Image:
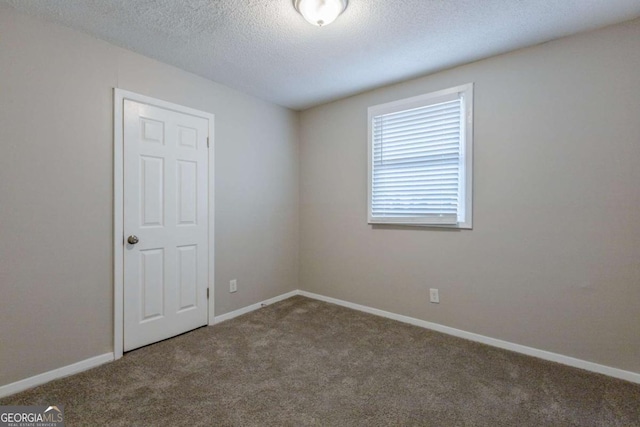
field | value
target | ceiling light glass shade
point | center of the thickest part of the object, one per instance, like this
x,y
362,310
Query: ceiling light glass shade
x,y
320,12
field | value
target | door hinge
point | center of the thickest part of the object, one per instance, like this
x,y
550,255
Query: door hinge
x,y
207,142
207,293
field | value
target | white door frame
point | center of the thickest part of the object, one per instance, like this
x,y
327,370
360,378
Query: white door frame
x,y
119,96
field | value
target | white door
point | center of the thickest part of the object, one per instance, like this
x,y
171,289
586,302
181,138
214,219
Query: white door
x,y
165,223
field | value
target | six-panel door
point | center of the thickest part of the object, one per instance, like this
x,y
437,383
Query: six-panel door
x,y
165,207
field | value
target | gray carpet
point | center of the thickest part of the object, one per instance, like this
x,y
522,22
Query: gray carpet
x,y
305,362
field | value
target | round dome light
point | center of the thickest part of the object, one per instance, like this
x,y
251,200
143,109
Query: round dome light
x,y
320,12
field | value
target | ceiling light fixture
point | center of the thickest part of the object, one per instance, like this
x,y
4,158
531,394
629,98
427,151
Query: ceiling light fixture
x,y
320,12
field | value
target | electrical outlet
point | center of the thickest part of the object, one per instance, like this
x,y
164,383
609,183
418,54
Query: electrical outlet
x,y
433,296
233,285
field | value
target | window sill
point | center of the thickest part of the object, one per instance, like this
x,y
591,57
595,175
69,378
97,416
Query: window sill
x,y
395,223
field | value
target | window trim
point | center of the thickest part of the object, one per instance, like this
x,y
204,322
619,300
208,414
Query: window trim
x,y
465,91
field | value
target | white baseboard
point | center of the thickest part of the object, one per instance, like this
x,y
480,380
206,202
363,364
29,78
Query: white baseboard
x,y
253,307
529,351
55,374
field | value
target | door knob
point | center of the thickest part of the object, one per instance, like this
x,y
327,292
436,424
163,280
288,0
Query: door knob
x,y
133,239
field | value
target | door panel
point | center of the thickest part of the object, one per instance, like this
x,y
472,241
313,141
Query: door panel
x,y
187,276
187,192
152,188
151,284
165,206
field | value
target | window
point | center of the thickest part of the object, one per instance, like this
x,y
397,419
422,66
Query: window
x,y
420,160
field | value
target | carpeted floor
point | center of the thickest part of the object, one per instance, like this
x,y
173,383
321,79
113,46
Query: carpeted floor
x,y
304,362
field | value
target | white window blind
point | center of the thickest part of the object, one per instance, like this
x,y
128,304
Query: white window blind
x,y
418,164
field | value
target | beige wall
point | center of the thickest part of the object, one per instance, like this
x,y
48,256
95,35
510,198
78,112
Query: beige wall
x,y
553,261
56,192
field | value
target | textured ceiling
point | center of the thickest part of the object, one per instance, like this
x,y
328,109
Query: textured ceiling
x,y
264,48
